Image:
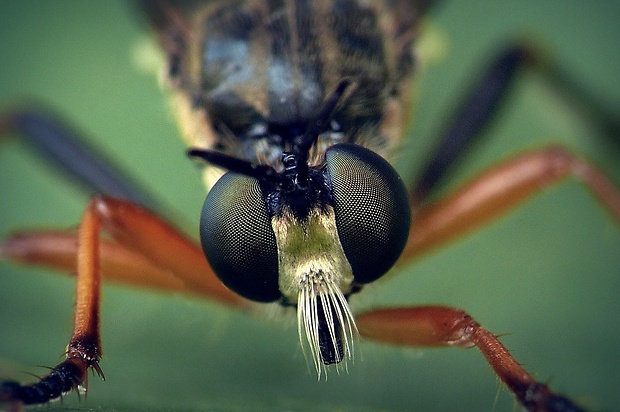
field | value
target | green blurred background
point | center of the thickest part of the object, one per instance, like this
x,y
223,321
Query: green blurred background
x,y
547,276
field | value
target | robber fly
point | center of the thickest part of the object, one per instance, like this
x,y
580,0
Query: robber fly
x,y
309,210
295,107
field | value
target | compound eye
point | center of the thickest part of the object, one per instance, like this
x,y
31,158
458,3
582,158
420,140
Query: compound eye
x,y
371,208
238,240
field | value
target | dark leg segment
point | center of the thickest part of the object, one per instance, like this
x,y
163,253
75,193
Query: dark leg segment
x,y
444,326
64,148
65,377
472,116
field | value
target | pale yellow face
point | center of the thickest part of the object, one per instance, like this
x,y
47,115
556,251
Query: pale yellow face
x,y
313,267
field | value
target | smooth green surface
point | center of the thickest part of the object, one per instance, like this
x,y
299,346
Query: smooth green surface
x,y
546,276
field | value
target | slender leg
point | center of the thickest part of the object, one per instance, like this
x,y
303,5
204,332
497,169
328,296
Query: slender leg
x,y
84,348
57,250
499,189
444,326
136,231
474,113
144,251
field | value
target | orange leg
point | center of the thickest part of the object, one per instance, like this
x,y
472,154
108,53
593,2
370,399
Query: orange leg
x,y
144,251
162,252
497,190
444,326
57,250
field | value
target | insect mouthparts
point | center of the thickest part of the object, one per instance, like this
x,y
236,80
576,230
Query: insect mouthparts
x,y
325,322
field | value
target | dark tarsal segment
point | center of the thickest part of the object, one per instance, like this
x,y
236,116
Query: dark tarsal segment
x,y
63,378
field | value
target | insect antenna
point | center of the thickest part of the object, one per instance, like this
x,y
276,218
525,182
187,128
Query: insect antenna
x,y
298,158
262,172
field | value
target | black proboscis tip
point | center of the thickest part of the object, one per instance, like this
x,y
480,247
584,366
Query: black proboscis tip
x,y
331,351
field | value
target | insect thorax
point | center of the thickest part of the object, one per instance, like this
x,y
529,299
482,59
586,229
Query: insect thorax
x,y
253,74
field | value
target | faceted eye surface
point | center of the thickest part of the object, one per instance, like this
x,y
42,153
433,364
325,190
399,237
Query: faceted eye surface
x,y
371,208
238,240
